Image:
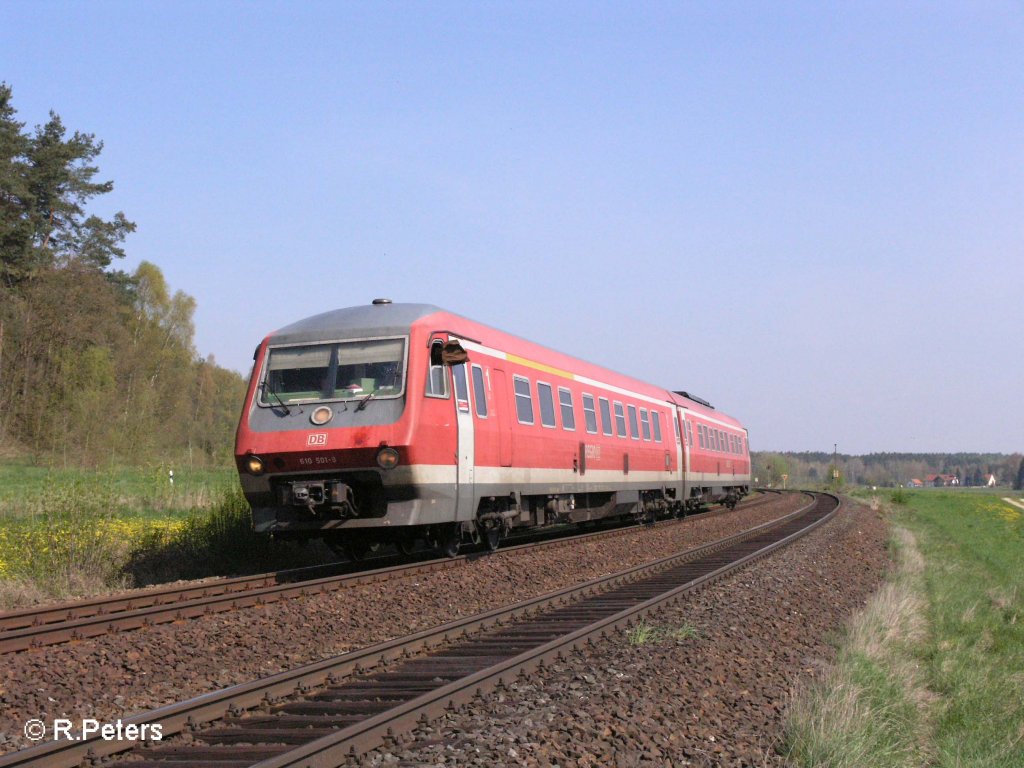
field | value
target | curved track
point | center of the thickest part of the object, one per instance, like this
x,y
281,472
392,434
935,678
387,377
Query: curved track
x,y
39,627
324,713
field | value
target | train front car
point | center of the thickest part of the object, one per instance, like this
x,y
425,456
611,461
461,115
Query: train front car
x,y
332,445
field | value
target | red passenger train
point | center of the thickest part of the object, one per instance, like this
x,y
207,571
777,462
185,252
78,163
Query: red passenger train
x,y
391,423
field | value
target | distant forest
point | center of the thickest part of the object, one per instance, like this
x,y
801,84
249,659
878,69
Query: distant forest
x,y
887,469
97,366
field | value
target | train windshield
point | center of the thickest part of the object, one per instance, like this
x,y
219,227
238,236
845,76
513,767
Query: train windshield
x,y
335,371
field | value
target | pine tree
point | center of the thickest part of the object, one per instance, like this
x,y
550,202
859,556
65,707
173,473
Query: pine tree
x,y
46,181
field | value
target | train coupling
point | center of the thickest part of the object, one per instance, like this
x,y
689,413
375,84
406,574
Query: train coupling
x,y
321,496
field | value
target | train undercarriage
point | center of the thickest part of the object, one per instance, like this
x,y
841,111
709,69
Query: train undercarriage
x,y
349,513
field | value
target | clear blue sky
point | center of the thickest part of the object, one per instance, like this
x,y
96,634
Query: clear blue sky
x,y
810,214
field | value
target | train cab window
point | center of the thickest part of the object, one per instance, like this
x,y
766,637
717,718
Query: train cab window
x,y
634,428
524,401
479,392
589,414
565,403
620,420
656,425
461,387
547,404
645,424
437,378
606,416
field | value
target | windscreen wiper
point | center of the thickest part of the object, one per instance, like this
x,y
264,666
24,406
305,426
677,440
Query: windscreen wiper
x,y
364,401
277,397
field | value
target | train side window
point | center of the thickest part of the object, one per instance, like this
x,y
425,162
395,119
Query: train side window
x,y
675,423
437,379
524,402
645,424
547,404
461,387
479,392
634,428
589,414
656,425
606,415
689,434
620,419
701,435
714,439
565,403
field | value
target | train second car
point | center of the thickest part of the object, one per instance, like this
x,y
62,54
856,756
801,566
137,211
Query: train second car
x,y
392,423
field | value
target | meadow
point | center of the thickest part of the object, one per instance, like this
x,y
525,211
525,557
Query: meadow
x,y
932,671
69,532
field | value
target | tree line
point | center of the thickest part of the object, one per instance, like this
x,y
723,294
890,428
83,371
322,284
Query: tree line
x,y
97,365
887,469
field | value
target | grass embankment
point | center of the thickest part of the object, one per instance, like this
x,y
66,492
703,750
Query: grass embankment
x,y
932,671
68,533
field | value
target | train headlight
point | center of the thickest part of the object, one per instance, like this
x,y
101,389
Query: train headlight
x,y
321,415
255,465
387,458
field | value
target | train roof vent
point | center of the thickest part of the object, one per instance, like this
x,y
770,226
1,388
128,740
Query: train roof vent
x,y
695,399
378,302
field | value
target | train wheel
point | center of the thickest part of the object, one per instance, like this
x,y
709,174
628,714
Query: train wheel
x,y
492,536
364,548
405,543
339,546
447,539
357,550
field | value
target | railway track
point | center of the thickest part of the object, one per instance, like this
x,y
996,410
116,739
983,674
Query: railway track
x,y
326,713
39,627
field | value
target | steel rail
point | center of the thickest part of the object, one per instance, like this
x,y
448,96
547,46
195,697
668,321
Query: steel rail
x,y
231,702
36,628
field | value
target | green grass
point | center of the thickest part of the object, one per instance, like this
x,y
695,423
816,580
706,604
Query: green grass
x,y
66,533
643,633
29,490
932,673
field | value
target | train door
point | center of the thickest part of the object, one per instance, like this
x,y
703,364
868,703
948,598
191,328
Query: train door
x,y
682,452
465,451
501,405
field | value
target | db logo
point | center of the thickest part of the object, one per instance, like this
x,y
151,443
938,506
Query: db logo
x,y
316,438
